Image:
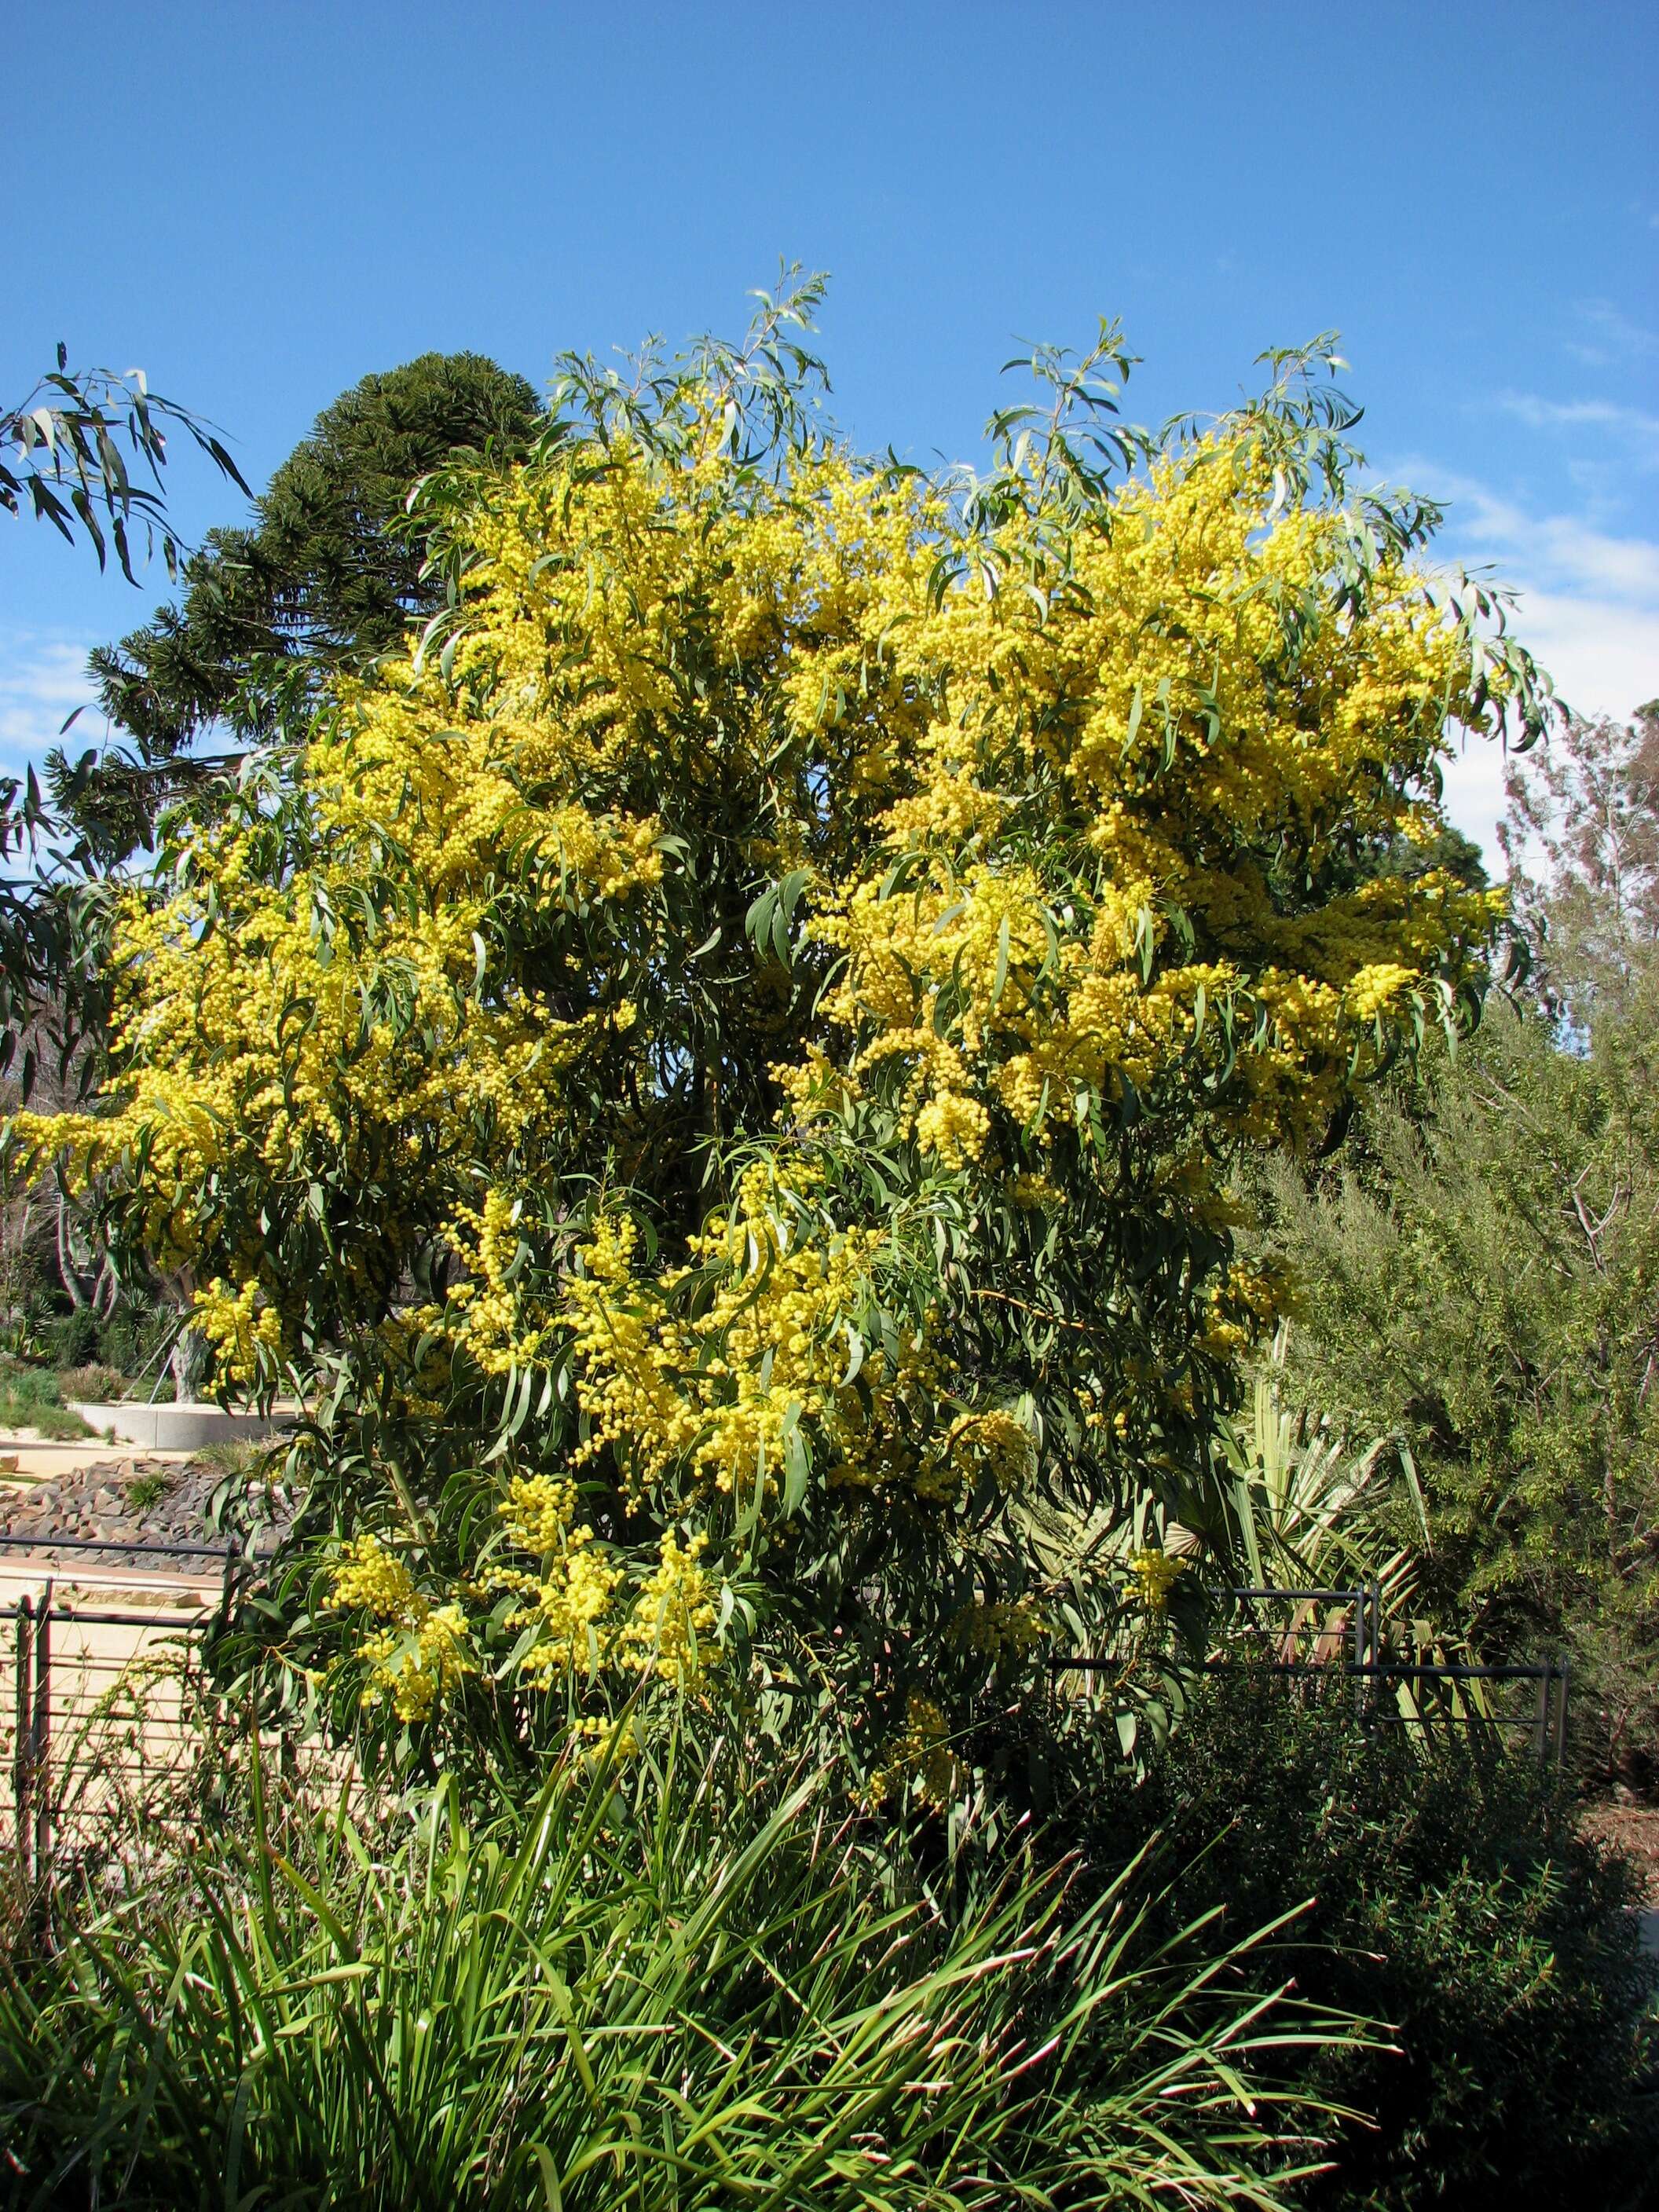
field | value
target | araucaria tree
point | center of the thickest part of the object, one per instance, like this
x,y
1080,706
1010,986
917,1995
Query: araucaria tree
x,y
716,1071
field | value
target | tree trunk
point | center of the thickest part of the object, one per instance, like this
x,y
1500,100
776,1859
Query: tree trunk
x,y
189,1362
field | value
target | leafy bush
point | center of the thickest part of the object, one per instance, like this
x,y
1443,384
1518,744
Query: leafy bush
x,y
701,1989
1453,1900
1475,1268
73,1339
126,1342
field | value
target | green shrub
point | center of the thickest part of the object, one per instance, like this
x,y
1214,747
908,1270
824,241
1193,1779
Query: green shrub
x,y
73,1339
1454,1900
30,1399
92,1384
705,1987
129,1341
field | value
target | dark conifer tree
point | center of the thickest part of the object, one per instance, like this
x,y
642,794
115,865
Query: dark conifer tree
x,y
326,575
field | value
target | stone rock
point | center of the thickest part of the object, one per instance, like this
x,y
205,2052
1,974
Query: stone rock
x,y
94,1504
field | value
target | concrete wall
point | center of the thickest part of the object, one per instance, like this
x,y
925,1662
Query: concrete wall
x,y
180,1427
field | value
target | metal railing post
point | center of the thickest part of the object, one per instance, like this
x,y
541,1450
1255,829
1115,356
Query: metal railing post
x,y
1541,1730
23,1743
41,1745
1563,1676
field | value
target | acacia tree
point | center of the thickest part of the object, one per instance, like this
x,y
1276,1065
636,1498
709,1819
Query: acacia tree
x,y
717,1072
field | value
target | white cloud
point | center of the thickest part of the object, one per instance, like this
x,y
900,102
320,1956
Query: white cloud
x,y
1637,432
1586,607
42,681
1604,659
1557,552
1474,797
1613,337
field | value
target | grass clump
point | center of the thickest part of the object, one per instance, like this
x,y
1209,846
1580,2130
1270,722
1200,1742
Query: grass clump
x,y
94,1384
689,1985
236,1456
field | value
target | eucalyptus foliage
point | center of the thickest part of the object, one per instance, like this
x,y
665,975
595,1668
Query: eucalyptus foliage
x,y
84,451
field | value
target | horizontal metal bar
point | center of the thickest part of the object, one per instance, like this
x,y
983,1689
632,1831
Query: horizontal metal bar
x,y
1456,1720
1391,1670
1335,1596
142,1546
1397,1668
115,1619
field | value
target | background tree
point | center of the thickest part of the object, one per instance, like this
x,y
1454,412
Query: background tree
x,y
1480,1273
328,575
1582,838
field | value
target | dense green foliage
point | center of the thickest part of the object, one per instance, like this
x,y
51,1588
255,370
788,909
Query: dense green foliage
x,y
1478,1271
33,1398
1453,1900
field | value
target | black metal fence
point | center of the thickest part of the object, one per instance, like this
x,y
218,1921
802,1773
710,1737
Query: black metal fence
x,y
106,1709
1326,1639
110,1713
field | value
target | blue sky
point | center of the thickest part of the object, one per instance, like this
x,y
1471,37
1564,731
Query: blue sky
x,y
260,204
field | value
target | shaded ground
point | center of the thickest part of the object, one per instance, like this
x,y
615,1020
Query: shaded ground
x,y
1633,1830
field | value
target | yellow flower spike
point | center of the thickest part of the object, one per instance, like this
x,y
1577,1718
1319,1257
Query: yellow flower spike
x,y
369,1578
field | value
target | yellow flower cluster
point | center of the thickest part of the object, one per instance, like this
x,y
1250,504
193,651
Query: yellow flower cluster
x,y
1154,692
1153,1575
370,1579
1008,1629
416,1665
997,1441
422,1651
668,1631
721,1395
539,1514
918,1757
612,1739
714,1403
238,1323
